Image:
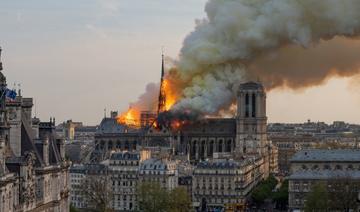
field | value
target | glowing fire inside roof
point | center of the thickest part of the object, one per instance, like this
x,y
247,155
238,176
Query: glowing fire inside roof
x,y
130,117
168,97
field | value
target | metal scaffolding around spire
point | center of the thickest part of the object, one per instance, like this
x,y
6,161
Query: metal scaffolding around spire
x,y
162,94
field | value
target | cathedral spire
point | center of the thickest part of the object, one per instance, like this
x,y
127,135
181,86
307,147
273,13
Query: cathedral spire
x,y
162,66
162,94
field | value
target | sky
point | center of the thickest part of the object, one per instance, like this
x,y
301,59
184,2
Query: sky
x,y
78,57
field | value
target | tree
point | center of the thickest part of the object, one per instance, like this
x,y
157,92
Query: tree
x,y
264,190
179,200
97,192
152,198
343,194
281,197
72,208
317,200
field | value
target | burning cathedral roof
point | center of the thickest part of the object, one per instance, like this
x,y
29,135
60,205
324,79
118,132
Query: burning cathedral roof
x,y
111,126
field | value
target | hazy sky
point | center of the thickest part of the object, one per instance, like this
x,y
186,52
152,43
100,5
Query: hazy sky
x,y
77,57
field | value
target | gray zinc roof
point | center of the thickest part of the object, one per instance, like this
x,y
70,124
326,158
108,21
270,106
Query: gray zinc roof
x,y
154,164
225,164
77,168
125,156
327,155
325,175
110,126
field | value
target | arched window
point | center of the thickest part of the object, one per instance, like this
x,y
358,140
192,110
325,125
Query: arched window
x,y
193,148
118,144
127,146
221,145
211,148
338,167
327,167
253,112
228,146
202,149
247,105
133,145
110,145
102,144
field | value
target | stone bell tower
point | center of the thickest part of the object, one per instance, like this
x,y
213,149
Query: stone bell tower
x,y
251,135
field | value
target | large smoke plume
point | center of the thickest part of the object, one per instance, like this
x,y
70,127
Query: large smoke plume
x,y
282,43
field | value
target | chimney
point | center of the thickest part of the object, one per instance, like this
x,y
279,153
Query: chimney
x,y
61,147
45,151
42,146
2,157
114,114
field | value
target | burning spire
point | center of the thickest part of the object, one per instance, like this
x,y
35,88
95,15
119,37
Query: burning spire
x,y
162,93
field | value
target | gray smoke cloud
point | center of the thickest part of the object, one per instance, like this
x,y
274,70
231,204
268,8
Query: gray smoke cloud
x,y
148,100
292,43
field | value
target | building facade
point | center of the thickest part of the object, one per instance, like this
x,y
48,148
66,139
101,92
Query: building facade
x,y
221,184
121,172
77,175
162,171
330,167
202,142
33,169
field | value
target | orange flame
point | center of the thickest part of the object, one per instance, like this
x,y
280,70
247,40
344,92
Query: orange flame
x,y
130,117
171,97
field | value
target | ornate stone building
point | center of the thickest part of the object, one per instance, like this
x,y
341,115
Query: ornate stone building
x,y
162,171
338,170
112,136
77,175
123,170
33,170
245,134
288,145
221,184
250,156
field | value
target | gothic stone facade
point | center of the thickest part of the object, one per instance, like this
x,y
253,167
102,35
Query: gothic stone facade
x,y
200,140
33,170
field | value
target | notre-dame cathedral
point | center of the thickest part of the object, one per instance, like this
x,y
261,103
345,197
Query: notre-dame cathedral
x,y
243,135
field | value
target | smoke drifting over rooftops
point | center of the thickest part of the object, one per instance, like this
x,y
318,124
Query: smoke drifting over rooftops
x,y
283,43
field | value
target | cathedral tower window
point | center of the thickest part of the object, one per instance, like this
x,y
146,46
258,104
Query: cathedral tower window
x,y
253,112
247,105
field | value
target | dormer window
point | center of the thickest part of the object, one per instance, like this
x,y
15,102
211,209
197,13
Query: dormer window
x,y
338,167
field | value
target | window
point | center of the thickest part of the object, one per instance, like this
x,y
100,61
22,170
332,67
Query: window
x,y
253,105
247,105
338,167
315,167
296,186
